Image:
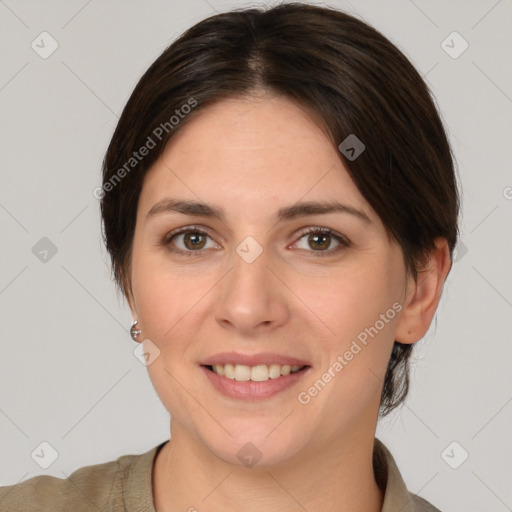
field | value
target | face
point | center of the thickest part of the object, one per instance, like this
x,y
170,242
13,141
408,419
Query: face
x,y
302,301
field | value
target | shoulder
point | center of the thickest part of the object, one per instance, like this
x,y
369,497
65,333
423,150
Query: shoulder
x,y
88,488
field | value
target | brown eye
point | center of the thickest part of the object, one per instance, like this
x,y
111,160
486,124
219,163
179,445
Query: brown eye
x,y
188,241
194,240
319,240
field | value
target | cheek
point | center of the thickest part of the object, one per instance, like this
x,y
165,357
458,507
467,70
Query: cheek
x,y
165,296
166,303
359,312
168,306
352,301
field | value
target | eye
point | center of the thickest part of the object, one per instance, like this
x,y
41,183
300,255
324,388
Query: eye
x,y
191,239
320,239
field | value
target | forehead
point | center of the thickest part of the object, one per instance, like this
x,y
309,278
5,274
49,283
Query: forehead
x,y
243,131
251,153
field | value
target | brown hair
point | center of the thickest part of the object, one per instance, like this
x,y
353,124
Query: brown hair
x,y
338,68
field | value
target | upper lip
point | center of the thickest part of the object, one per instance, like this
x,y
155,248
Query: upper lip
x,y
253,359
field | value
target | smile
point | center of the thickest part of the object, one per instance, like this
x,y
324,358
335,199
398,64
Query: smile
x,y
258,373
252,383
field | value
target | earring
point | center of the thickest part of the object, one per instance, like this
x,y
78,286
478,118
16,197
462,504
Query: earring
x,y
134,332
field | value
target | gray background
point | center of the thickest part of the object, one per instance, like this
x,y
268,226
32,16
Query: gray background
x,y
68,375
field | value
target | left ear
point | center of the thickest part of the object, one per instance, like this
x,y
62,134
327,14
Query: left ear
x,y
423,295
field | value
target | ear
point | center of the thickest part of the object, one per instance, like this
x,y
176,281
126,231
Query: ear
x,y
423,295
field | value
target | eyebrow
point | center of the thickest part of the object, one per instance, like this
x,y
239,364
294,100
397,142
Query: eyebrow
x,y
303,209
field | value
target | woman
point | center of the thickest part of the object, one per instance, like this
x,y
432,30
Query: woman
x,y
280,206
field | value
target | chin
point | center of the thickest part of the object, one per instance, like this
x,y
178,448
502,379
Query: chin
x,y
260,449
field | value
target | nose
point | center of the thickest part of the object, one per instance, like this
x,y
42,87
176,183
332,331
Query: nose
x,y
252,297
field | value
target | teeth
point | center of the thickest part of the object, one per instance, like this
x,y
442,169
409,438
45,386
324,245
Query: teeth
x,y
242,372
229,371
258,373
274,371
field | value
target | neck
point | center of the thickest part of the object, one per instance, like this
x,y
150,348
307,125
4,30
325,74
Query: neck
x,y
339,477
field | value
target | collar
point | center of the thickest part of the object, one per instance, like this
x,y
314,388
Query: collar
x,y
396,496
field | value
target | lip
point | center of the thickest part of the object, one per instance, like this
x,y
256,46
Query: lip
x,y
249,390
253,359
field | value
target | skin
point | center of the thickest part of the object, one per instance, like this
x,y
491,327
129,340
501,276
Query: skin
x,y
251,157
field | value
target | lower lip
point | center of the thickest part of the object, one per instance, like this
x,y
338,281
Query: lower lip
x,y
250,390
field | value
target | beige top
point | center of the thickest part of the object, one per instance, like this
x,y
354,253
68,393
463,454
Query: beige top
x,y
125,485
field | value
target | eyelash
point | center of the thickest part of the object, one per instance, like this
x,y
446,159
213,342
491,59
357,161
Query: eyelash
x,y
343,242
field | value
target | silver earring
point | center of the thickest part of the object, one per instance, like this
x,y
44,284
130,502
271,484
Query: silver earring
x,y
134,332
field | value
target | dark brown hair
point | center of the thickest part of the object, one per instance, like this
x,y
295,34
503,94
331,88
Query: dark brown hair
x,y
345,74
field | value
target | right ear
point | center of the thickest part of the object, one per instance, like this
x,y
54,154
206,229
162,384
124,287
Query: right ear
x,y
423,295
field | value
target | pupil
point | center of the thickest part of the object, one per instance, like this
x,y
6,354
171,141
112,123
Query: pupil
x,y
194,239
316,239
